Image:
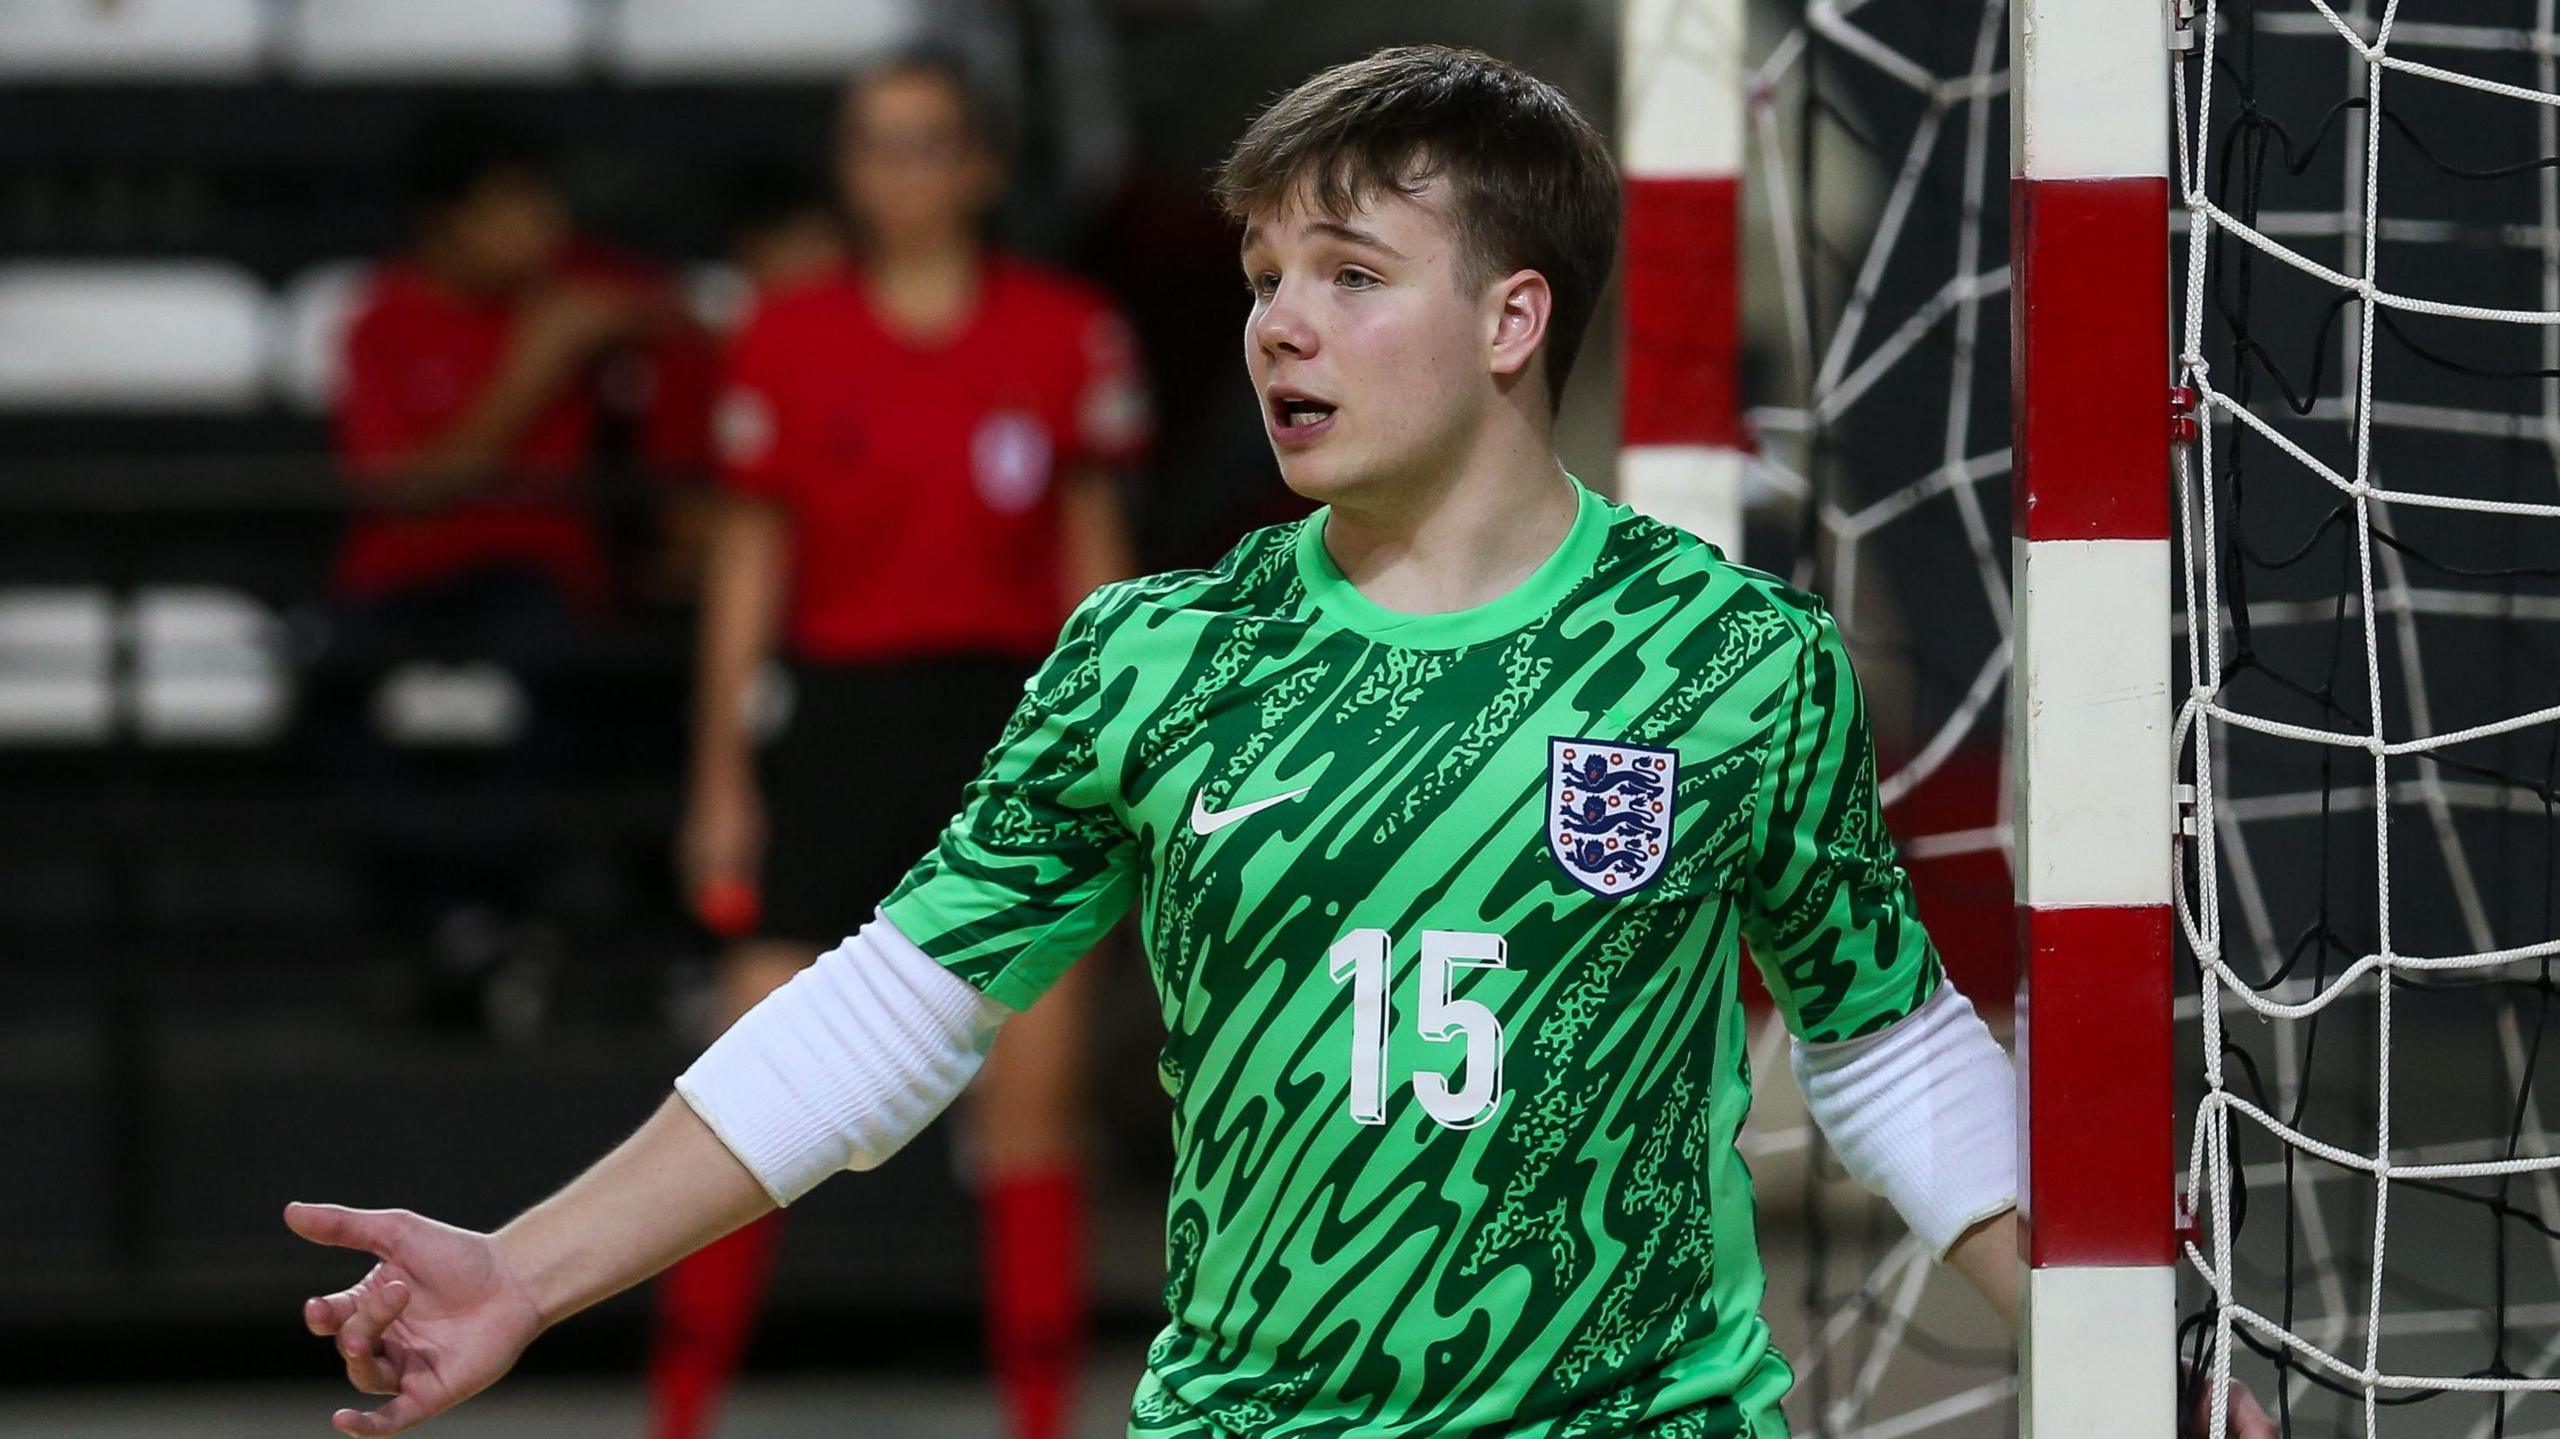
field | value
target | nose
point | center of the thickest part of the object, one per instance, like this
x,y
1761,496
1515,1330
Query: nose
x,y
1281,327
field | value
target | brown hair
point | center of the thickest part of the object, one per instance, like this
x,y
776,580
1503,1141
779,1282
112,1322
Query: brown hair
x,y
1532,185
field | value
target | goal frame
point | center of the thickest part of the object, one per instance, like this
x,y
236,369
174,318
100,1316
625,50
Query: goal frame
x,y
2093,806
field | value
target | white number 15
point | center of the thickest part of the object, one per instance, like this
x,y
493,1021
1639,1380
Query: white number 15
x,y
1361,955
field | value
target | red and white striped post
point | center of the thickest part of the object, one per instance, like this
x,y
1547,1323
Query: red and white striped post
x,y
2089,226
1681,122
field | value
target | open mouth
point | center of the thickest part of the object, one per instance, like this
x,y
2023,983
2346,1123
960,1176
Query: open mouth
x,y
1297,419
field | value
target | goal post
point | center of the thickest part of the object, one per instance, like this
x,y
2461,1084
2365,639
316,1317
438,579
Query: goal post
x,y
2091,712
1681,88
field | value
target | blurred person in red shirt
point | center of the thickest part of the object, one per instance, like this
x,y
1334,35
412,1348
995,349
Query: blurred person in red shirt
x,y
922,451
470,410
472,405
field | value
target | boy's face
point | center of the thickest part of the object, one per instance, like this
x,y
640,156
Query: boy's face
x,y
1370,346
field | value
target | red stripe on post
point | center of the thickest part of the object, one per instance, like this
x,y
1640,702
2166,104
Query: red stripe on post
x,y
1682,268
2089,313
2095,1052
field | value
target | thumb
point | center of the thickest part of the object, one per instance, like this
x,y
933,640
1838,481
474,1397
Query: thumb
x,y
374,1230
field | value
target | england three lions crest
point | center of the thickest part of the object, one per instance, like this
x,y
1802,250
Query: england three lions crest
x,y
1609,812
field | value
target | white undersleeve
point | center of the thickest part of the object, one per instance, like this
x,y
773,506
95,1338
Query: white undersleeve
x,y
839,1068
1924,1113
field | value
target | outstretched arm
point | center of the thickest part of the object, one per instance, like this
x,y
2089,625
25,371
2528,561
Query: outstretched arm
x,y
835,1070
669,1189
445,1312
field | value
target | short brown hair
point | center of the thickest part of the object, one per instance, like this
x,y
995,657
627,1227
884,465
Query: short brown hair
x,y
1532,185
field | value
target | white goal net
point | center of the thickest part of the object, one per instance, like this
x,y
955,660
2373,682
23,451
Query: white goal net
x,y
2370,322
2368,312
1875,305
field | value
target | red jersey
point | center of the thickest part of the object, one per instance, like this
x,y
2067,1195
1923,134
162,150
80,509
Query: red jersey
x,y
920,476
418,354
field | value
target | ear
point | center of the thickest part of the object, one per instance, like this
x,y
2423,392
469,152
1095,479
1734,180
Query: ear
x,y
1516,309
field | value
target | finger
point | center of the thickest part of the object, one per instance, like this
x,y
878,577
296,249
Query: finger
x,y
357,1339
391,1418
361,1339
2245,1420
328,1313
376,1230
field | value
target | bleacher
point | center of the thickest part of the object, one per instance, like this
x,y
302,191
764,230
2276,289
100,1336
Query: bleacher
x,y
202,1014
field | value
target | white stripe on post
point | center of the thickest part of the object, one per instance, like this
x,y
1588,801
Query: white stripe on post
x,y
2089,138
2080,1347
1682,119
2090,684
2091,92
1697,488
1680,73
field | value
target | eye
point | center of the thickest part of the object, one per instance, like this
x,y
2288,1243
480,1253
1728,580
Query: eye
x,y
1261,284
1357,280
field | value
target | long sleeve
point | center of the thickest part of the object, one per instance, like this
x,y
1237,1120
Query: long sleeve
x,y
1828,910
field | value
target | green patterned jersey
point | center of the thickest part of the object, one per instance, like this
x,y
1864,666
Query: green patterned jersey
x,y
1445,915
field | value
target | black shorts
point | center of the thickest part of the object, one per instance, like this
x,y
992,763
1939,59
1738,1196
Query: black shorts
x,y
860,784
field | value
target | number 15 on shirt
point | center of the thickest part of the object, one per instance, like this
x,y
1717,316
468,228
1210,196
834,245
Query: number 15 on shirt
x,y
1361,957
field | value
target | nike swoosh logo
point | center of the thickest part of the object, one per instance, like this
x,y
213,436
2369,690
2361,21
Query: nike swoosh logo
x,y
1205,823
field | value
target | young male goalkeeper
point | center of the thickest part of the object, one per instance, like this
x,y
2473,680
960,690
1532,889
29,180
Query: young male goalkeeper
x,y
1446,813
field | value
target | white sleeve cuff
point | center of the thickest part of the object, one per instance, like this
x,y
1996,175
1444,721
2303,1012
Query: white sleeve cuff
x,y
843,1065
1924,1113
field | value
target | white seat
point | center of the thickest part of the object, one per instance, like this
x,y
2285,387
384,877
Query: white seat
x,y
84,39
750,39
441,39
57,665
178,335
308,360
475,704
209,667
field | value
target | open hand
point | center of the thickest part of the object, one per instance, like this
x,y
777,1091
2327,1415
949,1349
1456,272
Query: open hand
x,y
436,1320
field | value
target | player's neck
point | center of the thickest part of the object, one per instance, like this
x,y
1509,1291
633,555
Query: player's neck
x,y
1468,538
927,292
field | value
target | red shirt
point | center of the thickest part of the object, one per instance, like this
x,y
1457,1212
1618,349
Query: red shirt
x,y
418,353
920,476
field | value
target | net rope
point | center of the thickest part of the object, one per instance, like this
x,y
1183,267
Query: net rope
x,y
1876,166
2458,735
2369,755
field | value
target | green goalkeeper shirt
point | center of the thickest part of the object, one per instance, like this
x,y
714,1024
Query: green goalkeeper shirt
x,y
1444,915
